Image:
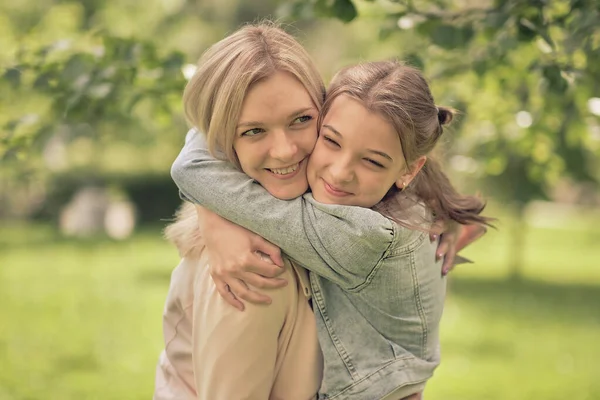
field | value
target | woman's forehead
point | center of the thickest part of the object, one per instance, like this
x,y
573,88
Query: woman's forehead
x,y
281,94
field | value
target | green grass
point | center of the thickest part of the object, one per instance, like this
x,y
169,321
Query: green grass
x,y
81,319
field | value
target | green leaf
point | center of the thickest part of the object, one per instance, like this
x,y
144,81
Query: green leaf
x,y
480,67
13,76
556,82
295,11
526,30
427,27
344,10
414,60
496,20
451,37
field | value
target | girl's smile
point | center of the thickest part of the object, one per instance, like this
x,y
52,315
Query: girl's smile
x,y
358,156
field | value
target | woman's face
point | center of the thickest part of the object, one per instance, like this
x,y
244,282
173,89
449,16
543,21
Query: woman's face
x,y
276,133
358,156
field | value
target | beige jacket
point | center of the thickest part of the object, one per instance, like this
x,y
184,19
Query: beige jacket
x,y
215,352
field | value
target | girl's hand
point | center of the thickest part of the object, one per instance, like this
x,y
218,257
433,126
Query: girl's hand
x,y
448,234
416,396
453,238
469,234
238,259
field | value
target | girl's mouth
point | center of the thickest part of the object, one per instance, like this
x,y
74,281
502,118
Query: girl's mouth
x,y
333,191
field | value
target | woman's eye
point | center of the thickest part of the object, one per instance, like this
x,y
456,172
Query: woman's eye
x,y
375,163
252,132
302,119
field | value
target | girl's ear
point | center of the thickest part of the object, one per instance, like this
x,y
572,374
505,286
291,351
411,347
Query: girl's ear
x,y
414,169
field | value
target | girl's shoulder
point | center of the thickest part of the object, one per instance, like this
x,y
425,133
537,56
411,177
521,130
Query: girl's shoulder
x,y
412,227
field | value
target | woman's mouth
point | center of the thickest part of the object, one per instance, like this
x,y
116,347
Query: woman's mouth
x,y
286,172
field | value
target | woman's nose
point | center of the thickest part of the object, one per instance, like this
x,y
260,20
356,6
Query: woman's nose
x,y
283,147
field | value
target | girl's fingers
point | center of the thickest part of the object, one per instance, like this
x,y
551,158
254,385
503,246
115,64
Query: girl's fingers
x,y
262,265
269,249
242,291
448,260
226,293
261,282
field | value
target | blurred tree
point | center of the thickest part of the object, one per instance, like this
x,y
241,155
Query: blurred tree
x,y
523,71
90,91
92,88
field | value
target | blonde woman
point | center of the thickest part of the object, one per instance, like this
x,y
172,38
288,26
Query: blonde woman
x,y
213,351
377,289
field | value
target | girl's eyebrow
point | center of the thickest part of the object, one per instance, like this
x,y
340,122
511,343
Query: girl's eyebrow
x,y
254,123
381,153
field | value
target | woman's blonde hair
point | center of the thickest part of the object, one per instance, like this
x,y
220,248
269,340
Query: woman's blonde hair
x,y
214,96
402,96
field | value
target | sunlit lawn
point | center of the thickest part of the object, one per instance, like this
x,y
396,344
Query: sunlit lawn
x,y
82,319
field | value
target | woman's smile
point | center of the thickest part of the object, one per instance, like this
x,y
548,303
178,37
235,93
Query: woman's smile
x,y
287,172
277,131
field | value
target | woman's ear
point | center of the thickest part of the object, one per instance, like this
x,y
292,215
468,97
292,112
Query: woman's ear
x,y
414,169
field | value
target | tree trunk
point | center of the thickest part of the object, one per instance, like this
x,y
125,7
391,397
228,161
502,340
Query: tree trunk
x,y
517,241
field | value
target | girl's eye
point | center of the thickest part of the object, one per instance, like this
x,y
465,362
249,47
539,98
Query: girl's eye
x,y
330,140
375,163
252,132
302,119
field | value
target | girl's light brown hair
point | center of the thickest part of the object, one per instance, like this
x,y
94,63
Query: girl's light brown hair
x,y
214,96
402,96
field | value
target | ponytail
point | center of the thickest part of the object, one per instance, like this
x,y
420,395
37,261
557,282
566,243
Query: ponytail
x,y
433,187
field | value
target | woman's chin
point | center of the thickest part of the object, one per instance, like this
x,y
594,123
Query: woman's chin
x,y
287,192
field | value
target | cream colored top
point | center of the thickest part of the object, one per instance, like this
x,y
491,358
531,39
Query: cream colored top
x,y
214,351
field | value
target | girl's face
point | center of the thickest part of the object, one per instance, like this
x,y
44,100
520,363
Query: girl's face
x,y
357,158
276,133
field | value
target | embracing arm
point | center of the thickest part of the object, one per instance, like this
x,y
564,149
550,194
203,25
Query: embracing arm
x,y
341,243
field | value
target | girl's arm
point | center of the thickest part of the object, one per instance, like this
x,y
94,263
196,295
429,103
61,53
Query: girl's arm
x,y
239,260
341,243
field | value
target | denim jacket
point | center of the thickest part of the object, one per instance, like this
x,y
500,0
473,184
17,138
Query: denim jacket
x,y
378,292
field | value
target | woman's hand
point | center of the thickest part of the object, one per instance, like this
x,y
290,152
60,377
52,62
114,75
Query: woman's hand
x,y
453,238
238,259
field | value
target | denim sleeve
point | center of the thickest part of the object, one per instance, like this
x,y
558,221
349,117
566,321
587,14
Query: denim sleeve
x,y
341,243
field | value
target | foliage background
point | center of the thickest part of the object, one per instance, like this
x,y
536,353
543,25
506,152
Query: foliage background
x,y
90,97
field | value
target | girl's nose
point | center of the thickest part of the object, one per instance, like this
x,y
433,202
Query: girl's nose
x,y
341,172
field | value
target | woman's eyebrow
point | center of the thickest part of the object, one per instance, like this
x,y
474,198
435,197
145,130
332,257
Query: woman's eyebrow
x,y
254,123
300,111
249,123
